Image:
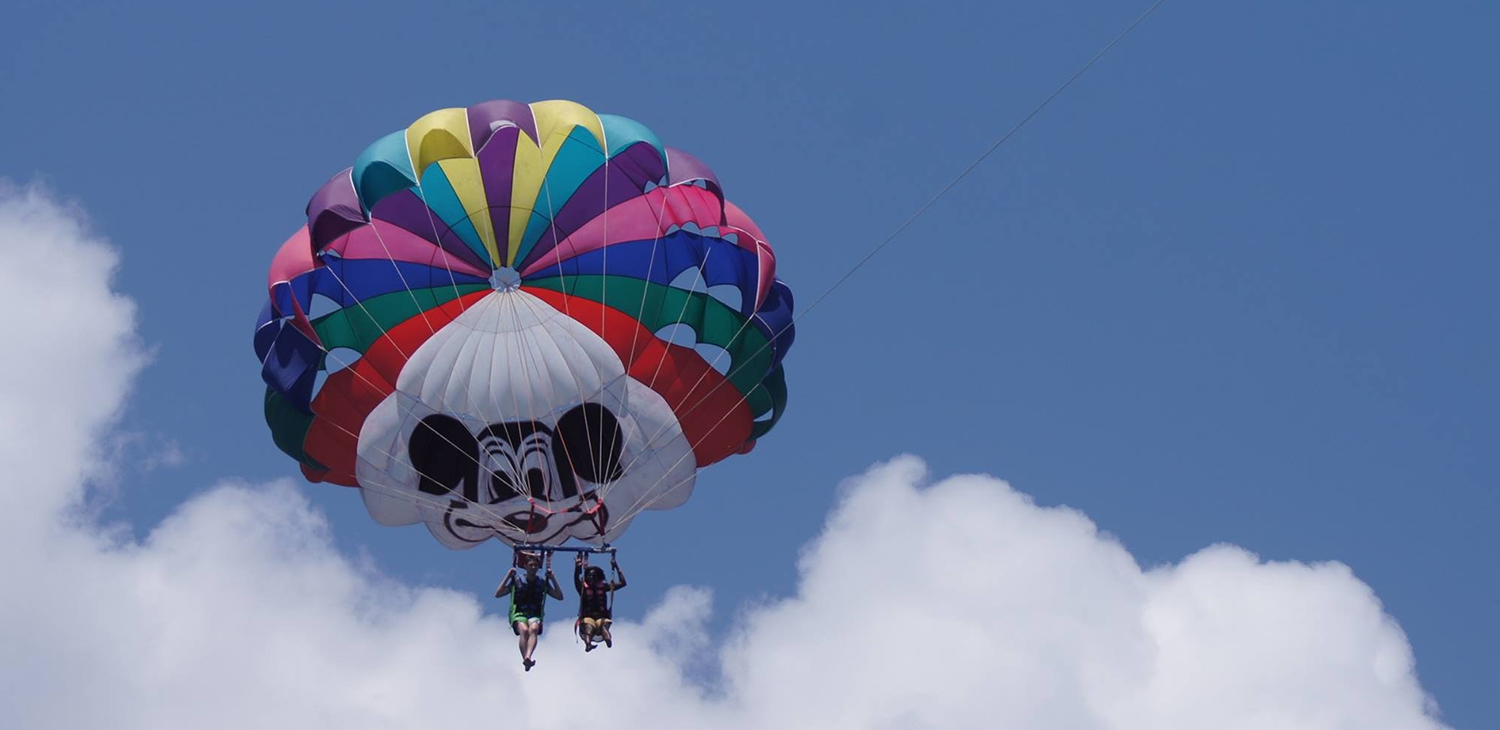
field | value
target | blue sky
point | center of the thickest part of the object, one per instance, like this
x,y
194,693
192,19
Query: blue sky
x,y
1233,286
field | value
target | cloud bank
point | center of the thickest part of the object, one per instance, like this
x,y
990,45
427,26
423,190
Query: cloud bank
x,y
238,612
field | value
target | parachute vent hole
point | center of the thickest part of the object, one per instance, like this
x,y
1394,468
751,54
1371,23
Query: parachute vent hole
x,y
505,279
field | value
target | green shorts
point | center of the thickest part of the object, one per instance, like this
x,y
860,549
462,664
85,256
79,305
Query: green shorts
x,y
521,614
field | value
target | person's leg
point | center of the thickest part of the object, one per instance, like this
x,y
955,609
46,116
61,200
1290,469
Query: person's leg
x,y
530,632
522,629
586,632
609,641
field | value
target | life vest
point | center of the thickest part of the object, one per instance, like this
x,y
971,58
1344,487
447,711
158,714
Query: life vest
x,y
528,595
593,600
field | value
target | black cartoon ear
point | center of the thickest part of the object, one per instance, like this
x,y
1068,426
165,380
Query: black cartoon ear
x,y
591,443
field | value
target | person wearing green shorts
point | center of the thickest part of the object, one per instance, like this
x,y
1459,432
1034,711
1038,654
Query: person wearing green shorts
x,y
528,601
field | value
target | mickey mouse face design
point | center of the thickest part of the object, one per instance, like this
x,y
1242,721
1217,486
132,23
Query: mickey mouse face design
x,y
527,473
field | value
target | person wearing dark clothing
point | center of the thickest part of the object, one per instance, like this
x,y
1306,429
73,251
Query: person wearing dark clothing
x,y
528,600
595,601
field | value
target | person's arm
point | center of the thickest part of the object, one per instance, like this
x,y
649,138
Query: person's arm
x,y
578,574
505,585
619,574
553,588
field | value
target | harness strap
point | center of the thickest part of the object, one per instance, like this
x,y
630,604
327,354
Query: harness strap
x,y
611,600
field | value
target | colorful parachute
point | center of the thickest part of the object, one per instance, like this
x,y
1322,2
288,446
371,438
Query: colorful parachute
x,y
528,322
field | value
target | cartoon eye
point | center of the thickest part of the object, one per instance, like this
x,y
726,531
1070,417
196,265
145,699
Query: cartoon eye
x,y
590,442
444,454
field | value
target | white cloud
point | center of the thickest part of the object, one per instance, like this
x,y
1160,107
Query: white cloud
x,y
69,352
954,605
142,453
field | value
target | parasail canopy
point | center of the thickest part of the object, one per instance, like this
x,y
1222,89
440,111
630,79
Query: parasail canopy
x,y
526,322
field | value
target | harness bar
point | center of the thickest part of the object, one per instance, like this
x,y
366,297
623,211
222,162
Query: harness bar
x,y
563,549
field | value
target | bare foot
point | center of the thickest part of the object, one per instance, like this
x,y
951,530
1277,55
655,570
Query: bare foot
x,y
528,663
588,646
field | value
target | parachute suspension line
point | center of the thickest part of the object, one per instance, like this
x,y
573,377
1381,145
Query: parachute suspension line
x,y
567,309
734,341
982,157
598,458
688,299
517,476
546,189
732,344
404,355
516,479
444,254
603,459
327,353
416,498
437,237
479,458
595,518
404,285
413,498
661,215
364,309
911,219
687,302
526,353
552,228
498,526
537,309
642,503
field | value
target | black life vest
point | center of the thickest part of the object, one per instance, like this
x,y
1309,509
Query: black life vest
x,y
528,594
